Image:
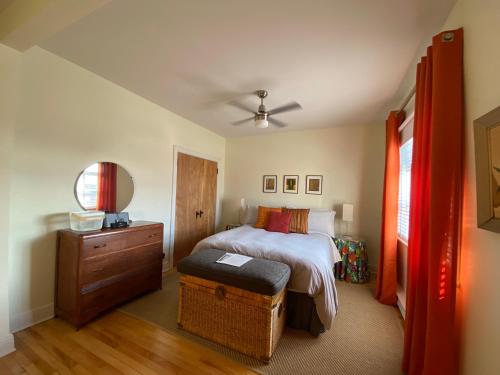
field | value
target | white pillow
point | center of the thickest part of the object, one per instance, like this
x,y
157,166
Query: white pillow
x,y
321,220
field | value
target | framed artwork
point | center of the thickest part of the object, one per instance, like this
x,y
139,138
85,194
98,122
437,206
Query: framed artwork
x,y
314,184
291,184
269,184
487,150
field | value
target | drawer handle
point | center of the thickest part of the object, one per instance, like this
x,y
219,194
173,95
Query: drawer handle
x,y
220,292
153,235
98,270
99,246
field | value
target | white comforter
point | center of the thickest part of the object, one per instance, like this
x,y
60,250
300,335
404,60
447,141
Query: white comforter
x,y
311,258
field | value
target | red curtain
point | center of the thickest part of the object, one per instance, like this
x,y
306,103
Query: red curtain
x,y
435,214
387,264
106,187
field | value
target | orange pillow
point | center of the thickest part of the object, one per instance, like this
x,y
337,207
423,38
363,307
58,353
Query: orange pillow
x,y
263,216
299,220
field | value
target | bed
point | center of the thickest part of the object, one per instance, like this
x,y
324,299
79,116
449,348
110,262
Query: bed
x,y
313,298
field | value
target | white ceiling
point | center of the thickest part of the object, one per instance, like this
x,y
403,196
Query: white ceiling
x,y
342,60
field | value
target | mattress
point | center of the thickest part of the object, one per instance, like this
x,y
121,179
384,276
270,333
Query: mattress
x,y
311,258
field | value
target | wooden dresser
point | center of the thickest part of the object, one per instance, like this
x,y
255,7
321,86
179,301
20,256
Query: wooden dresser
x,y
101,269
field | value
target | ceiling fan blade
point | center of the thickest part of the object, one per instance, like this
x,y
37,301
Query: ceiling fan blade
x,y
240,106
293,106
277,123
240,122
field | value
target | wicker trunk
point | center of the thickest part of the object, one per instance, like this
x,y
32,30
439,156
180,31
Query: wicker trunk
x,y
245,321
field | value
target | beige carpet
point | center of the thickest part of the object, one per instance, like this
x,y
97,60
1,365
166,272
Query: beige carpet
x,y
366,338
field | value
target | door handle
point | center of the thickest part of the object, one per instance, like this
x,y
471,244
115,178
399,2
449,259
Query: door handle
x,y
201,213
198,214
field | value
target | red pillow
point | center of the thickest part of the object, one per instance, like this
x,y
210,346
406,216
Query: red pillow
x,y
278,222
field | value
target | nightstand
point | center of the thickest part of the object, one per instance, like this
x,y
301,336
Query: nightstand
x,y
354,264
232,226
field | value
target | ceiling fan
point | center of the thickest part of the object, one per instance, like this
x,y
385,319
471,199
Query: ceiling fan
x,y
262,117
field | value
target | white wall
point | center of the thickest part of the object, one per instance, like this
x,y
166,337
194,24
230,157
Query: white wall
x,y
9,62
351,160
68,119
479,278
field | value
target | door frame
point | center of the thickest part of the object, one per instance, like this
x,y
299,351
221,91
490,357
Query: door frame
x,y
184,150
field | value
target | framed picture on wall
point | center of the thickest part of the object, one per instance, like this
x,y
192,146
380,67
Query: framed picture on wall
x,y
291,184
269,184
487,150
314,184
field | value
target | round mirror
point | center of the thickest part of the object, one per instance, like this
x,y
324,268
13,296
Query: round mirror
x,y
104,186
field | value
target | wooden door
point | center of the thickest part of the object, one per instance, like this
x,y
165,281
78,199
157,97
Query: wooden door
x,y
195,203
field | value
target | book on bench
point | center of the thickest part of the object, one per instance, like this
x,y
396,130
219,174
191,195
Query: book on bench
x,y
235,260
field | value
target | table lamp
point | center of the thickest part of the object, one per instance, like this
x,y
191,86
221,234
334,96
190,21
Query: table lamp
x,y
243,212
347,215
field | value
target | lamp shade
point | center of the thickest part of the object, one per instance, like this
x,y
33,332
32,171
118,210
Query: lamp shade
x,y
347,212
261,123
243,211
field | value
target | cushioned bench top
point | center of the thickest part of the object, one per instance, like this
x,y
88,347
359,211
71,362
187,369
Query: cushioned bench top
x,y
258,275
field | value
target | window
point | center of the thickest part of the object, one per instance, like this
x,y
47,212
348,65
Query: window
x,y
405,154
86,187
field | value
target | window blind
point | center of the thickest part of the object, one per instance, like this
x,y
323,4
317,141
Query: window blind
x,y
86,188
405,154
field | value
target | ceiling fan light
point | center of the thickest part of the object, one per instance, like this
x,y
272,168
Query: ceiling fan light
x,y
261,123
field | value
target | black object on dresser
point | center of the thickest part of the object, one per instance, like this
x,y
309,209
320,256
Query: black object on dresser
x,y
100,269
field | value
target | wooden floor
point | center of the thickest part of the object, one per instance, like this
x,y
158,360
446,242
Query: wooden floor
x,y
117,343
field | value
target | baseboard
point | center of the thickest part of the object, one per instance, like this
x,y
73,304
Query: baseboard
x,y
401,307
165,265
29,318
7,344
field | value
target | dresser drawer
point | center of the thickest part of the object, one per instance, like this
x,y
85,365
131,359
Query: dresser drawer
x,y
104,266
100,245
101,269
135,283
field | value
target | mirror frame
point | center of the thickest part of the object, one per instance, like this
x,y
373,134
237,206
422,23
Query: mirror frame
x,y
83,170
482,126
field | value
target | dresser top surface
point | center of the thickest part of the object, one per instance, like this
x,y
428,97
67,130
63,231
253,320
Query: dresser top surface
x,y
135,225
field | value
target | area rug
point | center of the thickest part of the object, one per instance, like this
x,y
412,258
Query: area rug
x,y
366,337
